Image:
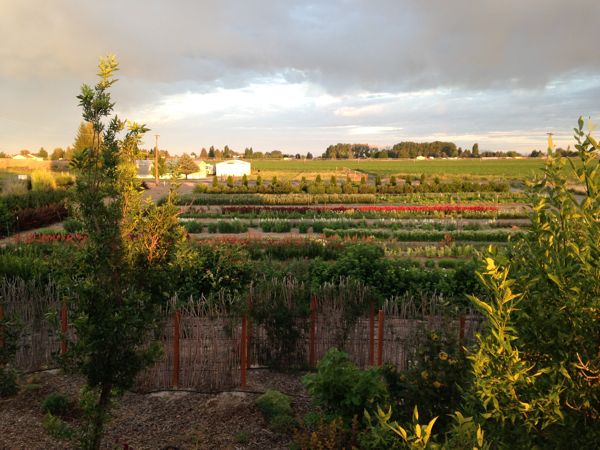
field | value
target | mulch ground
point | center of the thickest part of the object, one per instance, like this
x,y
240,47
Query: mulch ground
x,y
170,419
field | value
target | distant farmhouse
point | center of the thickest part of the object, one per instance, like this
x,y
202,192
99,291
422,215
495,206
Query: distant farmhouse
x,y
145,169
233,168
28,156
204,170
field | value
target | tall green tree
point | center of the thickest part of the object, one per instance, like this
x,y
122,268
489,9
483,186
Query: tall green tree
x,y
187,165
83,139
115,302
57,153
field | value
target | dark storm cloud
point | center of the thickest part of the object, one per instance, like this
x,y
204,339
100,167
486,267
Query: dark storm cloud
x,y
500,51
344,44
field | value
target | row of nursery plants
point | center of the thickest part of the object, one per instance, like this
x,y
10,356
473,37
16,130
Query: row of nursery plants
x,y
337,212
347,186
426,236
31,210
308,199
285,226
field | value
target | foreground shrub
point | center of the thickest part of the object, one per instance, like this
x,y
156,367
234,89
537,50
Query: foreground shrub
x,y
8,381
326,435
342,389
55,404
435,379
273,403
56,428
277,410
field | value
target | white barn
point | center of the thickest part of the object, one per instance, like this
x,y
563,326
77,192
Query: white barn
x,y
234,168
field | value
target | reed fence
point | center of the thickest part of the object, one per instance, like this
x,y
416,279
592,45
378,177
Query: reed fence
x,y
207,348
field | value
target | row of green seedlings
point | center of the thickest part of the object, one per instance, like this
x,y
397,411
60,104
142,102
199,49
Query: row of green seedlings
x,y
434,251
284,226
321,199
208,213
406,185
425,236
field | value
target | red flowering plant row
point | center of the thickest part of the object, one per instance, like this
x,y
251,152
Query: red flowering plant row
x,y
46,238
304,209
420,208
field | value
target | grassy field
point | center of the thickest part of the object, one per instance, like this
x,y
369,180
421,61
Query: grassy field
x,y
500,168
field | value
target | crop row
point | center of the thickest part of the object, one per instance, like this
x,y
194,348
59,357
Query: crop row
x,y
347,186
425,236
309,199
317,226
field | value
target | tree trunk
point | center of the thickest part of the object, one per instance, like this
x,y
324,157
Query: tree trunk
x,y
100,416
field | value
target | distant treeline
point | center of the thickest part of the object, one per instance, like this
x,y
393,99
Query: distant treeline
x,y
436,149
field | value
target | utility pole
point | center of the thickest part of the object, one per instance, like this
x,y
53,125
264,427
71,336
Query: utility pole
x,y
156,159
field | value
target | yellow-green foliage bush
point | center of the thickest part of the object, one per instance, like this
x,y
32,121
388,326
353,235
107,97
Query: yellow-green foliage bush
x,y
42,180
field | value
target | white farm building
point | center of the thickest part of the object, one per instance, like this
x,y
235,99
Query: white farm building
x,y
234,168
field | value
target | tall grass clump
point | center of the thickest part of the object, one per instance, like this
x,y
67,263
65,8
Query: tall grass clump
x,y
42,180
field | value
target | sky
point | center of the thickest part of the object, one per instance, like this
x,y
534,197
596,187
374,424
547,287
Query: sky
x,y
297,76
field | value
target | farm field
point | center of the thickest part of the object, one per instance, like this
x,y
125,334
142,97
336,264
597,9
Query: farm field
x,y
499,168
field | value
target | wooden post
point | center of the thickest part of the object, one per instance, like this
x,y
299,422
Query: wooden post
x,y
313,332
380,339
176,326
244,352
1,326
461,332
249,334
64,327
371,335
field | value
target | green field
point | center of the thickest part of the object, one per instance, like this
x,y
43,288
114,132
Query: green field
x,y
504,168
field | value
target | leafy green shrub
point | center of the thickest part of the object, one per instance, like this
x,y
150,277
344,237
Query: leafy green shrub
x,y
226,226
193,226
56,404
341,388
56,428
434,379
279,307
326,435
8,381
274,403
275,226
448,263
536,368
303,227
72,225
283,424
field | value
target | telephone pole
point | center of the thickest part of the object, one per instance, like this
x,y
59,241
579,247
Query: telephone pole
x,y
156,159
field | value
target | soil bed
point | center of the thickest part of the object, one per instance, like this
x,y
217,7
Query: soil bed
x,y
180,419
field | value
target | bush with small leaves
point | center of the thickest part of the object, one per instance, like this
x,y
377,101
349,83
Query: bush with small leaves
x,y
339,387
56,404
273,403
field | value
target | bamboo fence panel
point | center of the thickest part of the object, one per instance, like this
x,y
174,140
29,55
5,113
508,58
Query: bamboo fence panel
x,y
28,302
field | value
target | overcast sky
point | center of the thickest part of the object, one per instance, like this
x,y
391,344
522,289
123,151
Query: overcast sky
x,y
300,75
